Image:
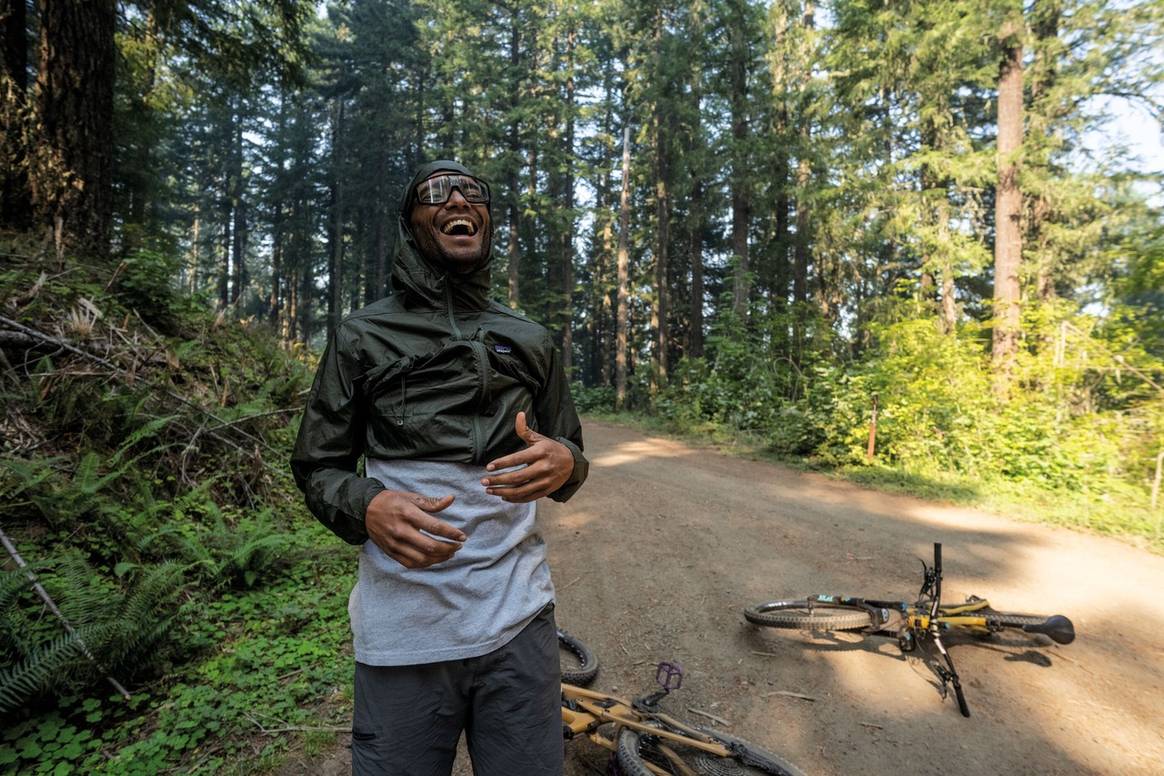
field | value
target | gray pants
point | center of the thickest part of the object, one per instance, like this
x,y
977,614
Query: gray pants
x,y
408,718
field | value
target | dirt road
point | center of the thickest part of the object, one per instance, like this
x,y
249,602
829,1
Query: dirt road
x,y
657,555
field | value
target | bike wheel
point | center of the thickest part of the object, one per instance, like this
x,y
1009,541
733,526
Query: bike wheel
x,y
797,615
578,664
636,749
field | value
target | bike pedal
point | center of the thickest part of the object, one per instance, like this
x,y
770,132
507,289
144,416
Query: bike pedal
x,y
669,676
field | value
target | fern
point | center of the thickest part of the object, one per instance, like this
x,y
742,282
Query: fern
x,y
50,665
121,630
12,582
250,559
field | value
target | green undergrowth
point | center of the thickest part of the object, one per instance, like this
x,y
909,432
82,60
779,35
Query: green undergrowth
x,y
267,667
1123,513
143,480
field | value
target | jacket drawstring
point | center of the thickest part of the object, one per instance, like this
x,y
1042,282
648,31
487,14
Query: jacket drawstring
x,y
403,393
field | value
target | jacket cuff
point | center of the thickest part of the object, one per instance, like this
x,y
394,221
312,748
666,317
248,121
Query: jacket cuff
x,y
348,519
577,477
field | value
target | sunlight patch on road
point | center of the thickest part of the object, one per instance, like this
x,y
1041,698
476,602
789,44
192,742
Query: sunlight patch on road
x,y
576,519
631,452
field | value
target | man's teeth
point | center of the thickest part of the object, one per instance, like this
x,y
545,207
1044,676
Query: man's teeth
x,y
451,225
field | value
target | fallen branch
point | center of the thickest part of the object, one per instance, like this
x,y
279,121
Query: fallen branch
x,y
296,728
790,694
712,717
245,418
16,338
306,728
572,581
871,725
19,327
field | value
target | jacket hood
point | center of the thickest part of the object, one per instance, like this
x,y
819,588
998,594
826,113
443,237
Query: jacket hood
x,y
427,279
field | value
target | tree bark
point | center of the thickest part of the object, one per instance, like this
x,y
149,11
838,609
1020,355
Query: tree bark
x,y
336,229
15,196
622,314
513,142
781,272
1045,26
1008,209
71,177
239,236
567,237
741,195
659,310
695,251
226,210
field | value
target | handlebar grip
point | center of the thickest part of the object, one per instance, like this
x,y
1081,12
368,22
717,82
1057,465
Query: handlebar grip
x,y
937,555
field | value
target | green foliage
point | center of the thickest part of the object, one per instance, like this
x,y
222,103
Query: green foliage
x,y
267,657
599,398
151,504
145,284
1085,420
120,629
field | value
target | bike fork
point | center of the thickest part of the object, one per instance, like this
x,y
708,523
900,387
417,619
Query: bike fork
x,y
949,675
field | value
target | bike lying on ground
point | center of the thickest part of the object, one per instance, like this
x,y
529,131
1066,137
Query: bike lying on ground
x,y
644,739
924,620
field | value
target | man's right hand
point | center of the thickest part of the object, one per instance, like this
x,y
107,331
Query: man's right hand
x,y
394,521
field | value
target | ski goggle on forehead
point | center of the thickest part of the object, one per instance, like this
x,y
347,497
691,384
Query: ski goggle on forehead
x,y
437,189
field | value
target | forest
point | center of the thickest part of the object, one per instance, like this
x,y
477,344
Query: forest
x,y
897,240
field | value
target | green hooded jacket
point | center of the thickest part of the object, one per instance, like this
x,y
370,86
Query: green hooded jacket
x,y
436,372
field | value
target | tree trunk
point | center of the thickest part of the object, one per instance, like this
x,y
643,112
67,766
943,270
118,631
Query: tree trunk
x,y
741,195
800,250
513,142
71,178
622,325
336,230
949,314
226,213
15,197
1045,26
239,241
376,259
659,310
1008,210
567,237
781,273
695,251
195,253
605,314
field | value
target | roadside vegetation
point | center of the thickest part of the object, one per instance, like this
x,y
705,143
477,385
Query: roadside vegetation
x,y
1074,442
143,482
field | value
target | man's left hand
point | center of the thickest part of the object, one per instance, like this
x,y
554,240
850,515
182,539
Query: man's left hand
x,y
547,464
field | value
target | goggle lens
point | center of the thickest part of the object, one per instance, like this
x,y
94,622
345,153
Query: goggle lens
x,y
437,190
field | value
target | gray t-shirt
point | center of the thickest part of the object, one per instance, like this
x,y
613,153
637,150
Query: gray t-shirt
x,y
471,604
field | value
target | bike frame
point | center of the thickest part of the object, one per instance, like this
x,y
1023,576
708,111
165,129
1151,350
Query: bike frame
x,y
583,711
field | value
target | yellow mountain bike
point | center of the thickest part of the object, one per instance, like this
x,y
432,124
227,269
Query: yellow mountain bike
x,y
924,620
645,740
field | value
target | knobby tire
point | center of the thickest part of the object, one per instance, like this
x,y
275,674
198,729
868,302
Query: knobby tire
x,y
795,615
635,748
587,668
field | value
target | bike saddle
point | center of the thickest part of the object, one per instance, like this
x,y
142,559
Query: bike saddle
x,y
1057,627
